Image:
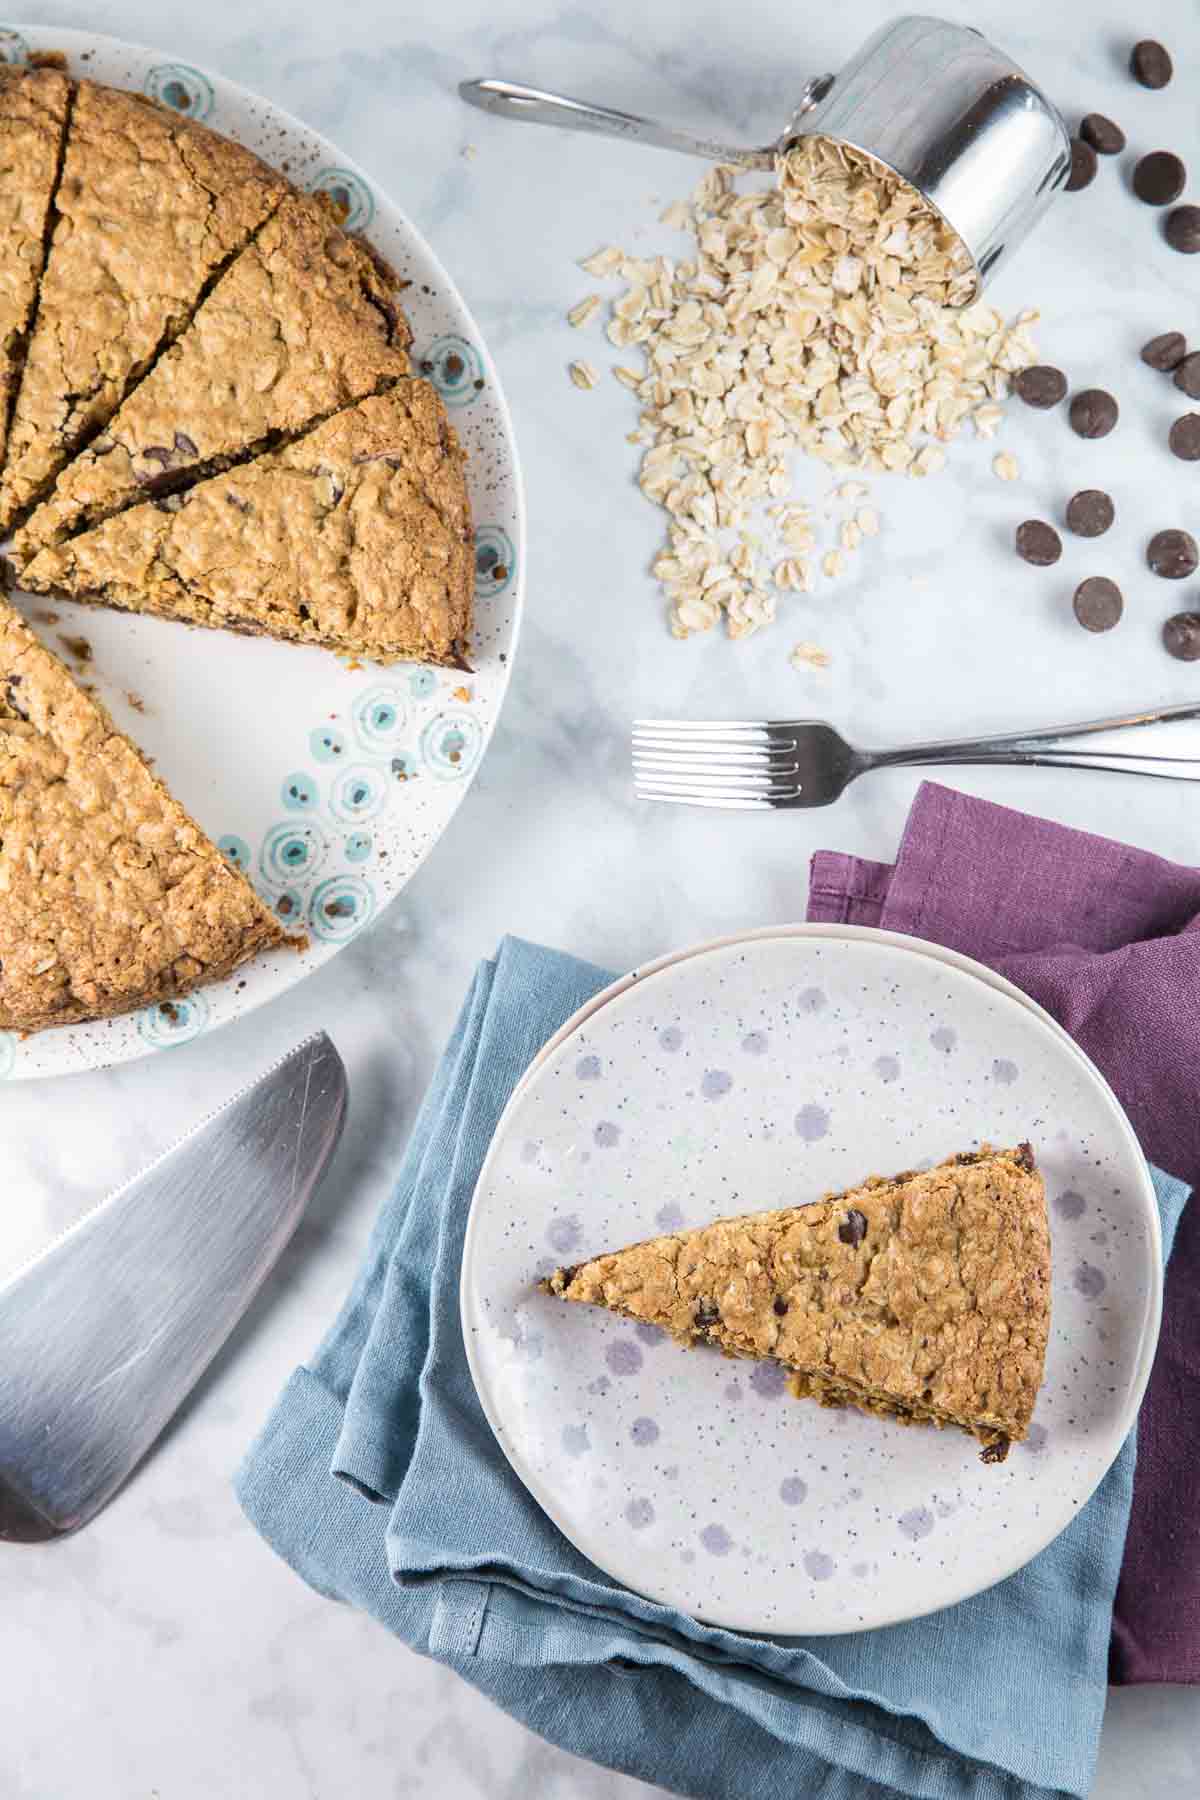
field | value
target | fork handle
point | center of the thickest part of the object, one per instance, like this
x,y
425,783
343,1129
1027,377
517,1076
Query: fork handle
x,y
1172,749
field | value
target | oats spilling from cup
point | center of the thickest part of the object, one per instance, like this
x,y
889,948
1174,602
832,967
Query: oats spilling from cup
x,y
822,314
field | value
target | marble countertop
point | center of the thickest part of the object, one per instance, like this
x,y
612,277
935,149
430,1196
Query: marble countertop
x,y
165,1652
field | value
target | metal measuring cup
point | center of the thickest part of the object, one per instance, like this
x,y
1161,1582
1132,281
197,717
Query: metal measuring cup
x,y
935,102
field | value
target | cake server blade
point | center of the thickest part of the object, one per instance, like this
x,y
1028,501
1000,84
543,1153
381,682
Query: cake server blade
x,y
105,1331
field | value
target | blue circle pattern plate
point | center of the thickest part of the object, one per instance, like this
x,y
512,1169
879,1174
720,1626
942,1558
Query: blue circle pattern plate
x,y
326,782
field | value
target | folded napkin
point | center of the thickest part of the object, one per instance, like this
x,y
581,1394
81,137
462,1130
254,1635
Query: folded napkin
x,y
1106,938
377,1478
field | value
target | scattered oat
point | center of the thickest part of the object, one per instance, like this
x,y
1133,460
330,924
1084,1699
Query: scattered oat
x,y
867,520
809,656
815,315
136,701
831,564
469,152
678,216
77,647
579,315
461,693
795,573
850,534
1005,465
604,262
583,375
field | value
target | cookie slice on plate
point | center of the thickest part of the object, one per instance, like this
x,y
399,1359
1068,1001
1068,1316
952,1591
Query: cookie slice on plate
x,y
34,104
925,1297
303,322
111,897
356,536
149,208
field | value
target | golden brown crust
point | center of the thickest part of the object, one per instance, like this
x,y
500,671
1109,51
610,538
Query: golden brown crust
x,y
150,206
926,1297
299,325
356,536
33,117
111,897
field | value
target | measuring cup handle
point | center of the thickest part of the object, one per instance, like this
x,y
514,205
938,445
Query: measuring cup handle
x,y
510,101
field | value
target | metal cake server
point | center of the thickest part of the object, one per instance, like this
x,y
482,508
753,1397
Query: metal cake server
x,y
104,1332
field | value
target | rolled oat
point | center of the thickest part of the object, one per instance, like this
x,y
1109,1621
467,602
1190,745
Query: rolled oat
x,y
815,314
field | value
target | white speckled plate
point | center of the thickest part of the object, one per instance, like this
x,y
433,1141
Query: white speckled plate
x,y
329,786
753,1073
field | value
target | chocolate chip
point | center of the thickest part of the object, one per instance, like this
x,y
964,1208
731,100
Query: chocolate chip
x,y
779,1307
1181,635
1172,554
1093,413
1184,437
1042,386
1182,229
157,453
1159,178
1102,134
1187,376
1083,166
853,1228
1098,604
995,1452
1038,543
1166,351
1150,64
184,444
1024,1155
243,506
1090,513
706,1315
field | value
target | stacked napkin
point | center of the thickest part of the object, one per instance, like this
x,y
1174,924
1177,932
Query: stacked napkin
x,y
1107,938
378,1479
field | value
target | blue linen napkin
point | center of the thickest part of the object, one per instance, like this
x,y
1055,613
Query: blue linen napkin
x,y
377,1478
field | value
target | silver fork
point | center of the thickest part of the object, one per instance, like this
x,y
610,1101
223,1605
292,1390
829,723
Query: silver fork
x,y
757,765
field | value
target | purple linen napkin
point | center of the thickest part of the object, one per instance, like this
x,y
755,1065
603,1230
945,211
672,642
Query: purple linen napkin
x,y
1107,938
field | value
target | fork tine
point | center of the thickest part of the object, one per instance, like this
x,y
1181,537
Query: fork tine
x,y
744,765
710,736
691,727
723,761
727,802
703,781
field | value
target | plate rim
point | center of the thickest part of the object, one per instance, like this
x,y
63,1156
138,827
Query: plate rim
x,y
73,40
968,966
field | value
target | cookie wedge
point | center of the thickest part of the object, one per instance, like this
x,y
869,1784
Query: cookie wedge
x,y
356,536
302,323
924,1298
111,897
149,208
34,104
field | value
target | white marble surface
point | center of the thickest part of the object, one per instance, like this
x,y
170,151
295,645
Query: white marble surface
x,y
165,1652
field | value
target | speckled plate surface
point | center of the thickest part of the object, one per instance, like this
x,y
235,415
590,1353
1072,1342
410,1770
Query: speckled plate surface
x,y
758,1072
328,785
